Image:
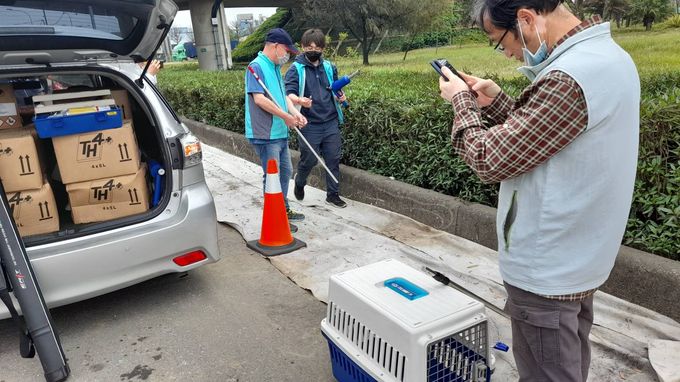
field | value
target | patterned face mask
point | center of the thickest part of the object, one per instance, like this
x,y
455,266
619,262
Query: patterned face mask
x,y
282,60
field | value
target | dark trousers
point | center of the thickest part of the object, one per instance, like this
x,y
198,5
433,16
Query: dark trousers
x,y
549,337
327,142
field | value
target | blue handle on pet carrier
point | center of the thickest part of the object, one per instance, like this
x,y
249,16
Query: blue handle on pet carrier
x,y
405,288
157,171
501,346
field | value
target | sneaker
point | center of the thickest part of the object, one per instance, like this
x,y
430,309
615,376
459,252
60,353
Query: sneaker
x,y
299,192
293,228
294,216
334,200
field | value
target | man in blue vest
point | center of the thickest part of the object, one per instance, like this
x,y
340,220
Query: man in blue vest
x,y
268,120
565,154
308,83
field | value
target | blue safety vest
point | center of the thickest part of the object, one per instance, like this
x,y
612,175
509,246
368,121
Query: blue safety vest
x,y
273,81
328,68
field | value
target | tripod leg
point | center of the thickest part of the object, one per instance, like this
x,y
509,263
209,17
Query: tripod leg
x,y
37,334
26,348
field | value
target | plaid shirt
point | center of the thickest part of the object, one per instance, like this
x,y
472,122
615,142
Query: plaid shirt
x,y
579,296
526,132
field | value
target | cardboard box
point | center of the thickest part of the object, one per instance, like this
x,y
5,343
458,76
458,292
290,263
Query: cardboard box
x,y
9,113
109,198
123,102
39,145
97,155
19,162
34,211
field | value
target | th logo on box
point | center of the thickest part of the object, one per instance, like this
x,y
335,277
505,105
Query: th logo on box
x,y
103,193
91,149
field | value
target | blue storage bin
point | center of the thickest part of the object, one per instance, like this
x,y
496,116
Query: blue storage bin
x,y
55,126
344,368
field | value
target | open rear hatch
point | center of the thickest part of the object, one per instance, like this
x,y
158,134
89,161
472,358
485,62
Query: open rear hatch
x,y
80,148
48,32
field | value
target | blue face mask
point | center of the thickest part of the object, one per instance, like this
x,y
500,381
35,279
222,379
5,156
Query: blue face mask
x,y
532,60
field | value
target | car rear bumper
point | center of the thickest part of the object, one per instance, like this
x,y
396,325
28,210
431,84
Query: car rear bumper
x,y
82,268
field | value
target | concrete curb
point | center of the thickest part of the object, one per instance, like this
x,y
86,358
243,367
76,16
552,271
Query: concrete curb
x,y
639,277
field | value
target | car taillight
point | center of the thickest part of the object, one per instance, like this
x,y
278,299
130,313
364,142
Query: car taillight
x,y
191,148
190,258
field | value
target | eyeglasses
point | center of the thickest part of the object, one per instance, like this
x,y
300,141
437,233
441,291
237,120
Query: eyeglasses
x,y
499,48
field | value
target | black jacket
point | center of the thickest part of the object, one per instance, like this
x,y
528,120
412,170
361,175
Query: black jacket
x,y
317,87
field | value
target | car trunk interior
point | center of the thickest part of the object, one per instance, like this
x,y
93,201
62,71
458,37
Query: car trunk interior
x,y
89,195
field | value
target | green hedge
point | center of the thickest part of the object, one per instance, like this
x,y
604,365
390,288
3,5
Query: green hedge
x,y
654,224
247,50
442,38
398,126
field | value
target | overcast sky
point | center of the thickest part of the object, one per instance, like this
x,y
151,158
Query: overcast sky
x,y
183,18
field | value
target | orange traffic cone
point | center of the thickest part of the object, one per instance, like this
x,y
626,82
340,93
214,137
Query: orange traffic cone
x,y
275,237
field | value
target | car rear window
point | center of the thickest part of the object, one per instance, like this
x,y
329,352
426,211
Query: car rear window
x,y
65,18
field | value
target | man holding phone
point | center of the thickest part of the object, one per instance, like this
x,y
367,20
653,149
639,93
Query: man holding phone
x,y
565,153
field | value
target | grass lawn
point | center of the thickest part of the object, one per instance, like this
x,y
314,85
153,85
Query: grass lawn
x,y
653,52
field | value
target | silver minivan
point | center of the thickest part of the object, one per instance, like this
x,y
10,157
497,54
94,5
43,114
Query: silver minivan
x,y
91,45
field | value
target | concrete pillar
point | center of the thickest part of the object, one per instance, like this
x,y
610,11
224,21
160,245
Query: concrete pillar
x,y
225,41
204,36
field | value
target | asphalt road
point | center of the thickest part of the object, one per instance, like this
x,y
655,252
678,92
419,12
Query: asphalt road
x,y
236,320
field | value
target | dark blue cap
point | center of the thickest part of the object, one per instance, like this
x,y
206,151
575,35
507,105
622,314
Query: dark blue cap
x,y
280,36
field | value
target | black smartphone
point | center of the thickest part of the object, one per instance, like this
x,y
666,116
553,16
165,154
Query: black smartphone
x,y
437,65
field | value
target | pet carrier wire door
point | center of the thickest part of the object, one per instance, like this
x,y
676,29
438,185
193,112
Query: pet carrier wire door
x,y
389,322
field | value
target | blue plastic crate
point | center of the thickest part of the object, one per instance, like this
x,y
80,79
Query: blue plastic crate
x,y
56,126
344,368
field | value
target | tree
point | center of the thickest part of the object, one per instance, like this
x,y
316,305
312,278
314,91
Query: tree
x,y
645,11
175,35
649,11
578,6
365,20
342,36
459,14
608,9
425,15
235,30
463,12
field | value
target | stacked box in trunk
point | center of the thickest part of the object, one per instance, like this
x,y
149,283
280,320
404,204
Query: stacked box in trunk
x,y
30,196
102,170
99,173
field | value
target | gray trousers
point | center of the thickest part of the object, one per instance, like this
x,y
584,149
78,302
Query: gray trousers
x,y
549,337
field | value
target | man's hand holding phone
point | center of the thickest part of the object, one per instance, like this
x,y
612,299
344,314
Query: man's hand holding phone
x,y
486,89
450,84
